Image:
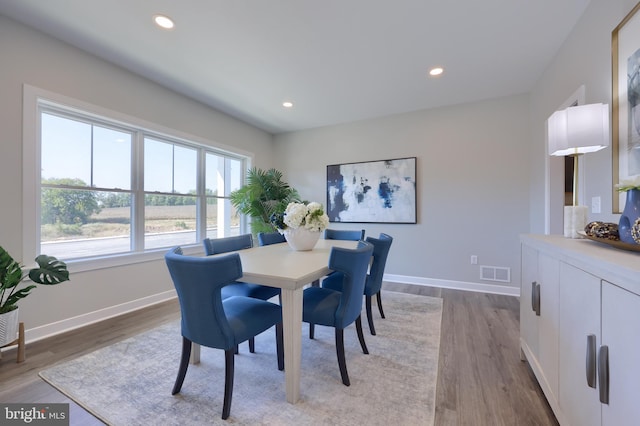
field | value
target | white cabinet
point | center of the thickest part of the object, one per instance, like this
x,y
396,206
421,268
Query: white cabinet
x,y
621,337
548,269
528,303
584,348
579,328
539,317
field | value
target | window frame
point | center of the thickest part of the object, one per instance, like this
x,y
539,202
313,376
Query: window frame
x,y
35,100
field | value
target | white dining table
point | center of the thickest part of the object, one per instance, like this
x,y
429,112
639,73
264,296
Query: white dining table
x,y
277,265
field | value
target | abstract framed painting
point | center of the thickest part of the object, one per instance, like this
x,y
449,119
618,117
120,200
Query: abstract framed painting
x,y
625,108
372,191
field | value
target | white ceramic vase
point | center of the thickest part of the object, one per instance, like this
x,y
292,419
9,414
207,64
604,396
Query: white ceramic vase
x,y
301,239
8,327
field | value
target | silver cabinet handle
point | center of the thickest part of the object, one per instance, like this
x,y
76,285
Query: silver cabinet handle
x,y
603,373
533,295
537,299
591,361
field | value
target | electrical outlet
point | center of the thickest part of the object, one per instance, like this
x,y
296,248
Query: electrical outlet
x,y
595,205
474,259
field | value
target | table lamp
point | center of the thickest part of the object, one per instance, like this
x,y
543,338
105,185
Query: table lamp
x,y
575,131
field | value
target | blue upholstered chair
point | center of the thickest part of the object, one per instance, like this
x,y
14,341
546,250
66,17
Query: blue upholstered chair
x,y
238,288
239,242
227,244
267,238
343,234
337,234
373,284
210,321
338,309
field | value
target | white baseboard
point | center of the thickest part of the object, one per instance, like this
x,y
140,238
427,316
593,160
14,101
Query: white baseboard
x,y
69,324
456,285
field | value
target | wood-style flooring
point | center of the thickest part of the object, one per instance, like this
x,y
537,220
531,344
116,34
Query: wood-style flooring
x,y
481,380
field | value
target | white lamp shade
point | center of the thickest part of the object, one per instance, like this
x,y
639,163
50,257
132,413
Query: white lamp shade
x,y
578,130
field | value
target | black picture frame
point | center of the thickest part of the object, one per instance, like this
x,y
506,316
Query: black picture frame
x,y
382,191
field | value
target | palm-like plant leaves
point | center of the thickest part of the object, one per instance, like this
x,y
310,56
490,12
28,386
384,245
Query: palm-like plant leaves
x,y
265,193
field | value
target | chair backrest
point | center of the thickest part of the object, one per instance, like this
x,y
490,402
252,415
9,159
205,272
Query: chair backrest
x,y
381,248
343,234
267,238
353,263
198,281
227,244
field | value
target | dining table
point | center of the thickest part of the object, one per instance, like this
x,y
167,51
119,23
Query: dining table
x,y
278,265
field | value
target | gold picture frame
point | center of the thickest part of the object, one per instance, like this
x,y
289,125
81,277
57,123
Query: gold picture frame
x,y
625,102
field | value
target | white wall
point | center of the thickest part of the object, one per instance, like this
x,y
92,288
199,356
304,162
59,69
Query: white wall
x,y
472,183
29,57
584,59
480,166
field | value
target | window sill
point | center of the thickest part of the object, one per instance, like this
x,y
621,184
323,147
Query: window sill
x,y
113,261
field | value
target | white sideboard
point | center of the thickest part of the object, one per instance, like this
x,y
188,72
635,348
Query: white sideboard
x,y
580,328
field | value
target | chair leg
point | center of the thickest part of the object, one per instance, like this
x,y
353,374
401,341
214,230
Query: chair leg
x,y
340,352
312,328
379,298
228,382
372,329
252,345
280,346
184,364
363,345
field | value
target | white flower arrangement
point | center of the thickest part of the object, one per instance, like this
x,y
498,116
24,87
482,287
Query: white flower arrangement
x,y
310,216
628,184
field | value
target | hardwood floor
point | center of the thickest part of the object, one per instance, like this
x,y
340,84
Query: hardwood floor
x,y
481,380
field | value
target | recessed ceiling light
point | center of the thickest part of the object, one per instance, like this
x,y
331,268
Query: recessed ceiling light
x,y
436,71
163,21
287,104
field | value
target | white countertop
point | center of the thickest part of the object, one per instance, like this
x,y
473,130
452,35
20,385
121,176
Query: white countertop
x,y
617,266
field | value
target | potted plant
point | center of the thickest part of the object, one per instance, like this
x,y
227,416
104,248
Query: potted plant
x,y
50,271
264,194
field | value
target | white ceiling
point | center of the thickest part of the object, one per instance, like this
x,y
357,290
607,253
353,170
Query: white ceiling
x,y
336,60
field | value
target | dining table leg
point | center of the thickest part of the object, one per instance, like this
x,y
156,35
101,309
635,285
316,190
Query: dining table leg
x,y
195,354
292,330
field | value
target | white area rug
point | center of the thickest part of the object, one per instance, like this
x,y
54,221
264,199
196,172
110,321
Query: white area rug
x,y
129,383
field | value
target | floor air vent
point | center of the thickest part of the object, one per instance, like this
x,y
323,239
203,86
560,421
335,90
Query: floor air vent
x,y
495,273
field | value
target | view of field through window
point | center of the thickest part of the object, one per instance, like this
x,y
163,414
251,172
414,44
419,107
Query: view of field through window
x,y
89,199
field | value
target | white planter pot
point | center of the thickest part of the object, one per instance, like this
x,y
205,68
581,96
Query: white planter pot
x,y
8,327
301,239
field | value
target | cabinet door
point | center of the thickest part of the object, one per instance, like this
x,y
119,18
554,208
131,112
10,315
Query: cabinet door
x,y
579,317
621,334
549,279
528,318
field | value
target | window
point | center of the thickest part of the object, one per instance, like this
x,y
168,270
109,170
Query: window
x,y
108,187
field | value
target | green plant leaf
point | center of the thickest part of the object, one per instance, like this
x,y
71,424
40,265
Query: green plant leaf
x,y
263,194
50,271
13,299
10,270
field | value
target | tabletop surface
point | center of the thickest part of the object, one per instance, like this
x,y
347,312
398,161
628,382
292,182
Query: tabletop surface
x,y
280,266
